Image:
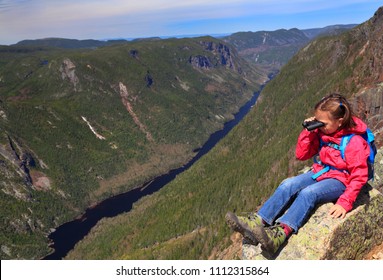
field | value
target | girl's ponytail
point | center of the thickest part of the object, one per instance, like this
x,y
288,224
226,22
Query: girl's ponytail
x,y
339,107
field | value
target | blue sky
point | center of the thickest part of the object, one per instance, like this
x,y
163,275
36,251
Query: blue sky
x,y
104,19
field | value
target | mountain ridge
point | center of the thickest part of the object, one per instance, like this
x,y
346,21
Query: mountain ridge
x,y
94,43
270,50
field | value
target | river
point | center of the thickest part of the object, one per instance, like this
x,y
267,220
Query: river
x,y
65,237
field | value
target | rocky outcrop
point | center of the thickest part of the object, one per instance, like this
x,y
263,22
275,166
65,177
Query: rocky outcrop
x,y
222,57
133,53
17,170
377,183
149,80
67,70
20,160
200,61
368,104
364,55
222,51
323,237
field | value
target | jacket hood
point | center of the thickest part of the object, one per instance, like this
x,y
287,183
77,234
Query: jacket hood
x,y
360,128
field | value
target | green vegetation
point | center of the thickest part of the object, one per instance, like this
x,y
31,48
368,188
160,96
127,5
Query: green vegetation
x,y
51,99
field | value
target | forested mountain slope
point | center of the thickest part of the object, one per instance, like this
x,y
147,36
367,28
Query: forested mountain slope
x,y
77,126
270,50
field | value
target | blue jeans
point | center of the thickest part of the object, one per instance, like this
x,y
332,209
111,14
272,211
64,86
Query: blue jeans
x,y
302,193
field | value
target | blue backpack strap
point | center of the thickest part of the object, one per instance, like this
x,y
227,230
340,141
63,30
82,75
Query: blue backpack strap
x,y
343,143
342,147
370,135
320,172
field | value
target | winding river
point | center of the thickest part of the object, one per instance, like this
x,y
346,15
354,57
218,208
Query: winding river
x,y
65,237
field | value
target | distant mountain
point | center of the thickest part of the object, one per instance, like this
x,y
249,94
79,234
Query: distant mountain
x,y
270,50
242,40
185,219
80,125
68,43
328,30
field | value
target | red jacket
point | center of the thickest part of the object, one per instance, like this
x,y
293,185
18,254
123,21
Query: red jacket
x,y
357,151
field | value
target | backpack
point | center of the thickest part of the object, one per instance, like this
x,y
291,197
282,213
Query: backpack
x,y
370,139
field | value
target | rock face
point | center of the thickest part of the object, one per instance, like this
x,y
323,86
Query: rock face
x,y
17,164
149,80
222,57
368,104
336,239
377,183
67,70
200,61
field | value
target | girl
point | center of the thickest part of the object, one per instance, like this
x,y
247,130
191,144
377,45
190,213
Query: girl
x,y
331,178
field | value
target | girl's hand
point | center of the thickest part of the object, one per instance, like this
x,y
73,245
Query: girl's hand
x,y
337,211
310,119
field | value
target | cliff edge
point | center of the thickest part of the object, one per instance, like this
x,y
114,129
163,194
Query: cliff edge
x,y
323,237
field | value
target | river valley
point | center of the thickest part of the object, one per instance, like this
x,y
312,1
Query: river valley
x,y
65,237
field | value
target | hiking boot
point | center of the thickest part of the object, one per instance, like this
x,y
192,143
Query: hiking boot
x,y
271,238
245,225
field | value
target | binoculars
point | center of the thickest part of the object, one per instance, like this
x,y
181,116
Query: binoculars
x,y
311,125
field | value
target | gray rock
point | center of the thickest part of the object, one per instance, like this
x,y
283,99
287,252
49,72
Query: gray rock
x,y
323,237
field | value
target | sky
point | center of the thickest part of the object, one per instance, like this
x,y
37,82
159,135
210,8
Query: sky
x,y
128,19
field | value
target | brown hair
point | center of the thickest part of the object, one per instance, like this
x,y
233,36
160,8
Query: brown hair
x,y
338,107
